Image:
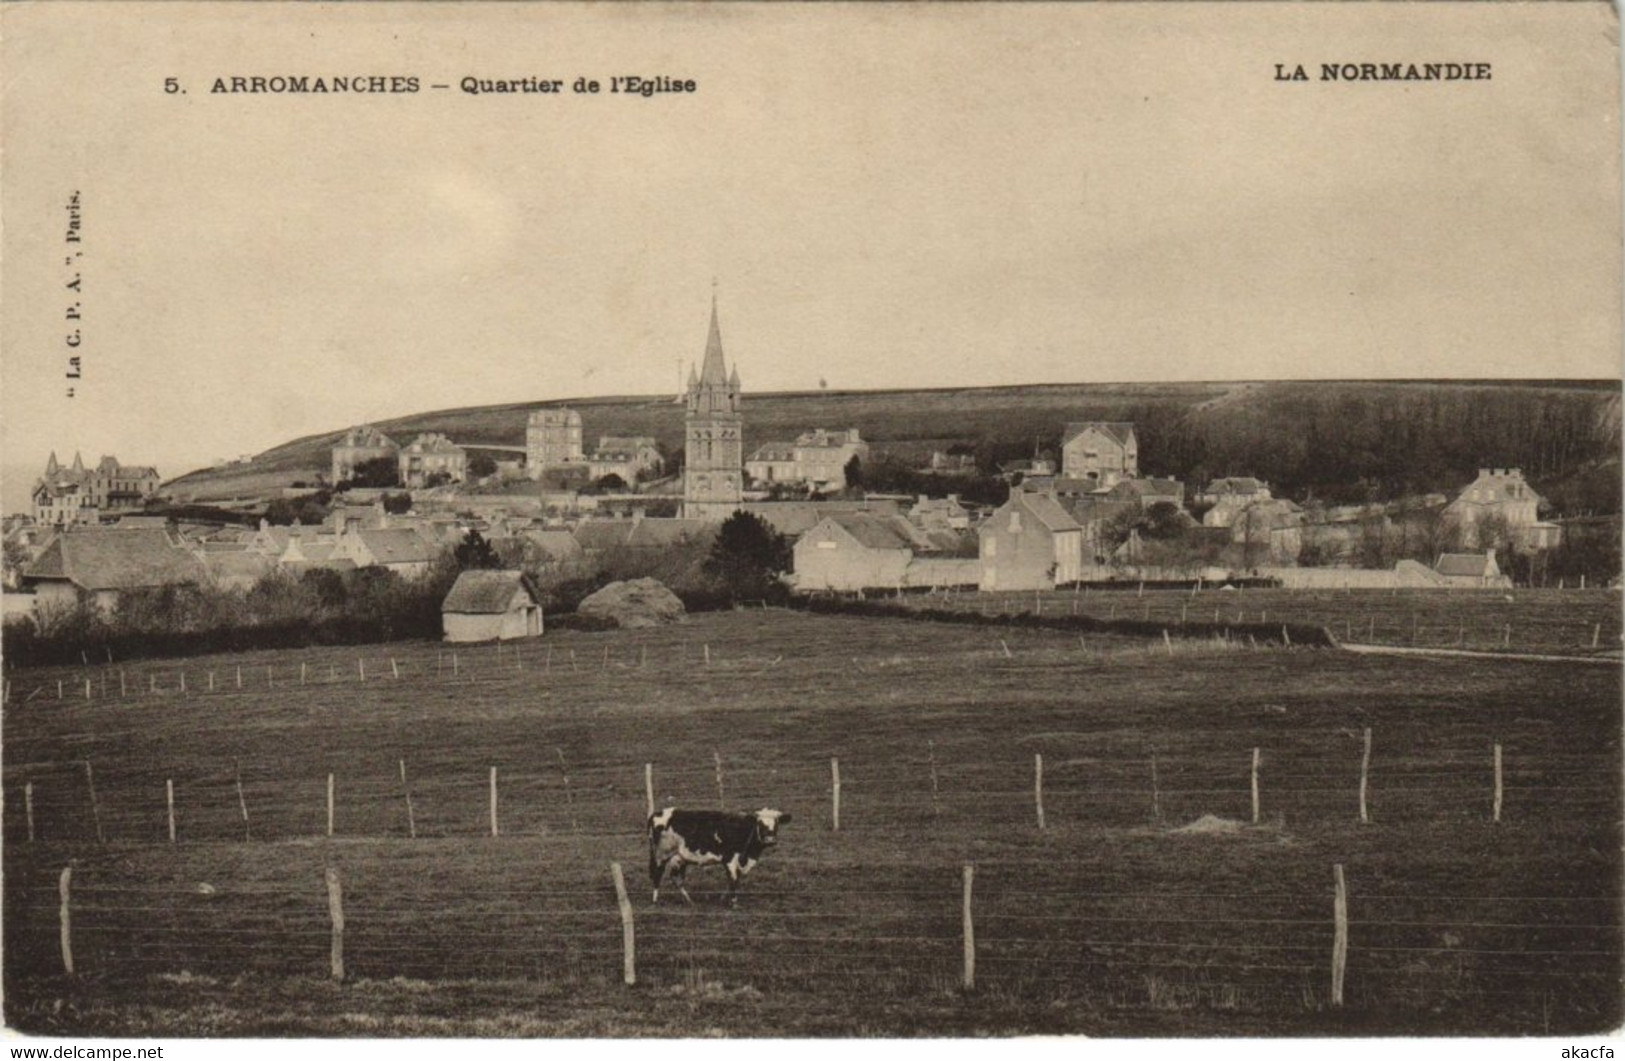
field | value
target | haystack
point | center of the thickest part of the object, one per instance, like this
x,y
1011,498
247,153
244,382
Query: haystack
x,y
638,603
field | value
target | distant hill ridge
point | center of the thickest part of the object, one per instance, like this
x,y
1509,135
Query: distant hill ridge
x,y
1336,440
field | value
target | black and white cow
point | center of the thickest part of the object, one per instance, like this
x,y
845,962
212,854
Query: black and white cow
x,y
682,838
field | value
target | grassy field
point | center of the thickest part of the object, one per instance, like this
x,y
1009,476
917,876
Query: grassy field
x,y
1149,904
1519,621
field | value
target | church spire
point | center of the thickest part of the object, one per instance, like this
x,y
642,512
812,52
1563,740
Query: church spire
x,y
51,466
713,371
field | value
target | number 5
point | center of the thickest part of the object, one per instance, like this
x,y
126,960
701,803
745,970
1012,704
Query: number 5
x,y
171,86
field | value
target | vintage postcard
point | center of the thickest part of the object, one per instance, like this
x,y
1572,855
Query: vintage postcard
x,y
805,521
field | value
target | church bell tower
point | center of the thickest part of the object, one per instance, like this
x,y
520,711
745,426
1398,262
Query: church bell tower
x,y
714,455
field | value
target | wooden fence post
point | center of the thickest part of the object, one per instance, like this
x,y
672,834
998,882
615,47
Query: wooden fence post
x,y
95,804
169,799
329,805
361,667
649,786
242,804
1005,647
1168,641
629,965
64,888
1497,813
1038,786
1255,786
1340,938
969,932
835,795
28,807
1596,637
494,831
211,682
394,668
411,821
722,800
1365,774
301,672
335,910
239,677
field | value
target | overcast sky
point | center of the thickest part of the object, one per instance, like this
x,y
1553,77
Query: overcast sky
x,y
915,196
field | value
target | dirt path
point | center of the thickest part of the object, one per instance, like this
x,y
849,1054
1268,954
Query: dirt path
x,y
1396,650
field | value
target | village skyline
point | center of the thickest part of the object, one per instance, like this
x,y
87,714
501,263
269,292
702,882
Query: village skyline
x,y
1056,209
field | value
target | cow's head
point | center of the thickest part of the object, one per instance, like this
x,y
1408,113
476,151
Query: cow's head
x,y
767,824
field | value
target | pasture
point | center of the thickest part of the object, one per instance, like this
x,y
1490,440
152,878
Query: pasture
x,y
1150,901
1518,621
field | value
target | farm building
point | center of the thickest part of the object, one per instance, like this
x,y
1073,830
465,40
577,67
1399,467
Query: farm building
x,y
1030,543
847,551
491,606
103,563
795,518
1471,570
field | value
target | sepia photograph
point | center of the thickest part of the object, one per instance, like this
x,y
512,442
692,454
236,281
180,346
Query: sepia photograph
x,y
810,521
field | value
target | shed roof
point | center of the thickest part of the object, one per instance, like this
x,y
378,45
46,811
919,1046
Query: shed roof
x,y
490,592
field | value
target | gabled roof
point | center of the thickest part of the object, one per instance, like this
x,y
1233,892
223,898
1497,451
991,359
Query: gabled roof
x,y
237,563
795,518
658,532
559,545
1463,565
1501,485
624,443
874,531
774,451
1045,510
104,559
365,436
490,592
1118,431
434,443
395,546
1237,485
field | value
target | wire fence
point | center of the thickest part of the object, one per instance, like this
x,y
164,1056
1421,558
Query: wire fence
x,y
905,931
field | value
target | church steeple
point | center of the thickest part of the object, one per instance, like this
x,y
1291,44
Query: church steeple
x,y
51,466
713,472
714,372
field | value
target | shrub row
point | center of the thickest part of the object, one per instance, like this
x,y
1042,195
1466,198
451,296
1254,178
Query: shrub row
x,y
1266,633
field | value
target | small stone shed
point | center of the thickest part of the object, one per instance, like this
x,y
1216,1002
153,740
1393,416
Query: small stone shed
x,y
491,606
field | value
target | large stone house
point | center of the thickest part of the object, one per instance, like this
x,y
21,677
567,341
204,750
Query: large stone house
x,y
552,437
1500,495
432,455
817,458
359,445
77,494
1100,450
628,457
101,564
1031,542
